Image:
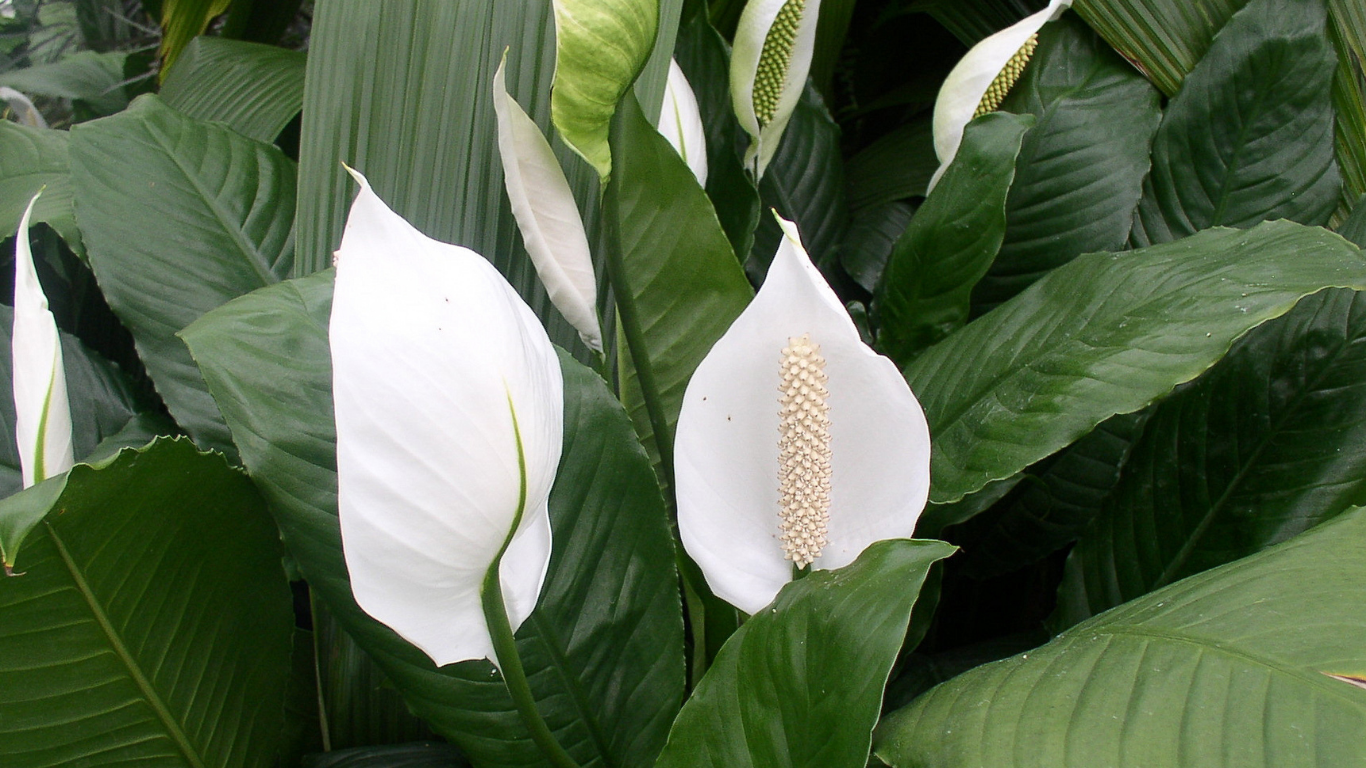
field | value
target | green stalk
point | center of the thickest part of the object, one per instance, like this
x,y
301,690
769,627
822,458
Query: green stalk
x,y
509,662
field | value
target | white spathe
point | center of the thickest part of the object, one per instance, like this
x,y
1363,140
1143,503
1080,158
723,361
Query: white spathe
x,y
24,111
728,432
680,122
969,80
42,424
750,33
433,355
547,215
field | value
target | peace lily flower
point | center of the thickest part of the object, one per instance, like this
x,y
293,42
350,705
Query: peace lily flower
x,y
774,42
981,79
680,122
546,214
449,413
23,109
42,411
797,445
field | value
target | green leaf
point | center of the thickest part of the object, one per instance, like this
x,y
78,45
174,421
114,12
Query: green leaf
x,y
607,682
1233,667
898,165
925,291
179,217
830,33
95,78
182,21
601,46
1354,228
1108,334
973,20
1348,32
868,244
1163,38
401,756
682,292
1249,137
800,684
33,159
1269,443
255,89
1080,172
102,401
403,92
804,183
153,621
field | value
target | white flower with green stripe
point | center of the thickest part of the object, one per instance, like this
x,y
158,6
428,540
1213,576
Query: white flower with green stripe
x,y
774,42
982,79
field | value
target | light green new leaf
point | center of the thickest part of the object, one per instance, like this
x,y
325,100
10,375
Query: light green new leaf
x,y
607,682
1246,666
95,78
600,48
925,289
1250,136
179,216
256,89
800,684
32,159
1163,38
681,292
1269,443
1081,169
153,622
182,21
1108,334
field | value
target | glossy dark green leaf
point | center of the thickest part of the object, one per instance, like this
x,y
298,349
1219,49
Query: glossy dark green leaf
x,y
1354,228
403,93
255,89
896,166
419,755
1164,39
1232,667
800,684
33,159
102,402
831,29
868,243
1348,30
153,623
683,292
607,682
1250,136
1271,442
95,78
1108,334
804,183
179,216
704,58
925,291
1080,171
1053,504
972,20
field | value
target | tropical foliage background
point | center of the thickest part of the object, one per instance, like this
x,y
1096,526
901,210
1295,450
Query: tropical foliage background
x,y
1130,309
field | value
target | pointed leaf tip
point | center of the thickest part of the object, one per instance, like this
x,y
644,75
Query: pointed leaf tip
x,y
434,354
743,525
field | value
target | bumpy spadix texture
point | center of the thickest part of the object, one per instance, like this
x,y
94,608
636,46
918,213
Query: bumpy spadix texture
x,y
433,355
774,43
680,121
982,79
547,215
803,452
857,441
42,411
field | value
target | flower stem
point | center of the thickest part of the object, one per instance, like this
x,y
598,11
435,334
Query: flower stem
x,y
510,664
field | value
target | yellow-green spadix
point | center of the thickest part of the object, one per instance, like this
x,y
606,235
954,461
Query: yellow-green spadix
x,y
981,79
797,444
42,410
774,43
449,413
546,214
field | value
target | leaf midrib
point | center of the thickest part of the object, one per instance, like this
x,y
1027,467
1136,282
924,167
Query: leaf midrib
x,y
152,698
571,685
